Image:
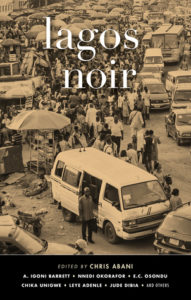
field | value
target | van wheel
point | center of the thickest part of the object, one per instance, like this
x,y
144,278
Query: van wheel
x,y
68,215
110,234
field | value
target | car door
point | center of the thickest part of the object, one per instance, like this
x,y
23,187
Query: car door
x,y
70,186
109,208
56,181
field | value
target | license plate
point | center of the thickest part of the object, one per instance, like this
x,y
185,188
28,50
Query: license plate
x,y
174,242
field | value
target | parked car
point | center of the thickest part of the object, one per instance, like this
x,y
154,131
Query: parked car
x,y
178,125
158,96
174,234
181,98
16,240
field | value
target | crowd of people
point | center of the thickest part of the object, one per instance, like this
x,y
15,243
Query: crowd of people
x,y
99,117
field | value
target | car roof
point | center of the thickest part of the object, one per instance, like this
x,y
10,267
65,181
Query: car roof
x,y
7,224
104,166
152,81
184,212
153,52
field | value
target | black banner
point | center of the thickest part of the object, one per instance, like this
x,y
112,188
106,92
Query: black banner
x,y
96,272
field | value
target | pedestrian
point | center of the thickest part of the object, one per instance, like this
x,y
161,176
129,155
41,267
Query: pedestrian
x,y
157,172
91,119
132,155
146,98
99,142
125,110
140,143
86,207
175,200
167,185
136,121
116,132
110,147
80,246
156,142
147,151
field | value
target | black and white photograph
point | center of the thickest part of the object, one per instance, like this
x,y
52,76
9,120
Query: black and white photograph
x,y
95,142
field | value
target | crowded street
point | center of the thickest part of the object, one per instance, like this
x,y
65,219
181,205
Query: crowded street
x,y
100,165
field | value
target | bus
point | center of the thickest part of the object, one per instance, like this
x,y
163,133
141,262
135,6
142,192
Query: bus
x,y
170,38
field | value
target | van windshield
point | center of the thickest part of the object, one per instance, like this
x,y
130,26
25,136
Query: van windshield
x,y
153,60
142,194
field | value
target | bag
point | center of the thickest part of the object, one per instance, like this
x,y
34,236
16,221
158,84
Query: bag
x,y
130,121
93,225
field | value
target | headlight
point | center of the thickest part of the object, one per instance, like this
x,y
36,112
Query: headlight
x,y
132,222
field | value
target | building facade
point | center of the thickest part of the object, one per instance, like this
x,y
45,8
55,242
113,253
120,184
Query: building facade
x,y
20,4
6,7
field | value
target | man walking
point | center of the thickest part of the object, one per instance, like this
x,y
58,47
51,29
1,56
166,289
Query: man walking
x,y
86,214
116,132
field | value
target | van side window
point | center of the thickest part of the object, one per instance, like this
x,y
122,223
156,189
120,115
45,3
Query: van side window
x,y
59,168
94,184
72,176
111,194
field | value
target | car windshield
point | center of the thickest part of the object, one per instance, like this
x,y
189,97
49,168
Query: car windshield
x,y
154,60
156,88
29,242
142,194
177,224
183,119
184,79
182,96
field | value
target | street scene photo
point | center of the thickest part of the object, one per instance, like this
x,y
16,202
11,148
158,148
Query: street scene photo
x,y
95,127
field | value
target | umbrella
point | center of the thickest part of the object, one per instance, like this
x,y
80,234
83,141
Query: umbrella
x,y
61,17
75,29
77,20
22,20
41,36
37,28
98,8
10,42
99,22
59,23
39,120
4,18
31,34
118,9
39,15
19,93
98,15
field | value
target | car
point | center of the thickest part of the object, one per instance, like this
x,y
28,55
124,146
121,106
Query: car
x,y
181,98
140,76
16,240
159,98
157,73
173,236
178,125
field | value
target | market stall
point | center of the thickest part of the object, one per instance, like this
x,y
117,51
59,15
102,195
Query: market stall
x,y
41,126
